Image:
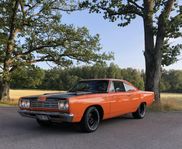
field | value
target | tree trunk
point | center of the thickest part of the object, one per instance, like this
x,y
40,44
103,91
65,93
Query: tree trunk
x,y
153,59
152,54
158,58
4,91
153,72
5,82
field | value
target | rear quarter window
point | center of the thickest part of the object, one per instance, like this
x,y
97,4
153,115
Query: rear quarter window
x,y
129,87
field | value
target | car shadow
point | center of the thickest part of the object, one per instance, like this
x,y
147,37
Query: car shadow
x,y
31,126
75,128
27,125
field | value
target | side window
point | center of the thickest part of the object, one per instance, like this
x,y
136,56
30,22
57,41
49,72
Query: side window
x,y
129,87
118,86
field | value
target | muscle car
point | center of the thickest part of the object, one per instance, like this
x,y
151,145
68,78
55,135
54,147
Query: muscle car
x,y
87,103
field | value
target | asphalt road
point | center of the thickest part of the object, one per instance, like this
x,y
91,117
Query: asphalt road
x,y
155,131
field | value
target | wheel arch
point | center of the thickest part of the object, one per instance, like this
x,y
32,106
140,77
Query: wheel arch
x,y
99,108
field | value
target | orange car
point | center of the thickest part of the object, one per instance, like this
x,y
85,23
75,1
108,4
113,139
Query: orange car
x,y
88,102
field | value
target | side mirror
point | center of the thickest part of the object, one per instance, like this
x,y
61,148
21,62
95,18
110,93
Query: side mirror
x,y
118,89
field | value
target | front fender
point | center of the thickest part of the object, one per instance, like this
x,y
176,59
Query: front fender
x,y
78,106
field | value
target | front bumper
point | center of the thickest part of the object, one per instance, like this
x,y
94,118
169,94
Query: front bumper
x,y
52,116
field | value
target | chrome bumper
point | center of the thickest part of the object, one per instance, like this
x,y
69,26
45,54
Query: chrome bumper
x,y
52,116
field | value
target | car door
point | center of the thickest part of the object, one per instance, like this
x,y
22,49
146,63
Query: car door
x,y
134,97
119,98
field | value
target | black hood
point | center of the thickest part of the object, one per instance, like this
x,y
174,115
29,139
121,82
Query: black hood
x,y
62,95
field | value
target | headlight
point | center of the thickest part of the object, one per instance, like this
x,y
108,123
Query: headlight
x,y
24,103
63,105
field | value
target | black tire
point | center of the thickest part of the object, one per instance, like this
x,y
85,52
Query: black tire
x,y
91,120
140,112
44,123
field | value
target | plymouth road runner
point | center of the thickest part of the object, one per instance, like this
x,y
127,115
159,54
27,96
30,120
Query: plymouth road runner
x,y
88,102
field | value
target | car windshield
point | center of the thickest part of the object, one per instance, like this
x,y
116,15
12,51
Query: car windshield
x,y
94,86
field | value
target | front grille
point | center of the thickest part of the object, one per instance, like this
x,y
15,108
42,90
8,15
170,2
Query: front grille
x,y
45,104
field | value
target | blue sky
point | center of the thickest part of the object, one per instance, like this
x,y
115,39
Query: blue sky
x,y
127,43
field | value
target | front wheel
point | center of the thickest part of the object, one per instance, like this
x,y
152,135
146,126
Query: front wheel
x,y
140,112
91,120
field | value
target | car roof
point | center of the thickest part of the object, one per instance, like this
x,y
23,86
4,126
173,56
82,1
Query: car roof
x,y
107,79
110,79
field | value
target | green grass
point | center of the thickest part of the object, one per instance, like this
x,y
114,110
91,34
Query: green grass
x,y
7,104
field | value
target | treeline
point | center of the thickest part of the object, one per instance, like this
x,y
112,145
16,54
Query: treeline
x,y
171,81
63,79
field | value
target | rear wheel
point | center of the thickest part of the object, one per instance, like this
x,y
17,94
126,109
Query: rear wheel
x,y
91,120
140,112
44,123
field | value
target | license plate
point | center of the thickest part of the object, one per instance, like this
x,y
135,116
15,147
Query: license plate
x,y
43,117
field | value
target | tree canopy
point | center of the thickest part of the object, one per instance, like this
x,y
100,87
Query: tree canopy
x,y
166,15
27,77
31,31
34,32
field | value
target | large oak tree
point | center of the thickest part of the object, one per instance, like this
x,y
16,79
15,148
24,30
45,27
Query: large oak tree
x,y
31,31
162,20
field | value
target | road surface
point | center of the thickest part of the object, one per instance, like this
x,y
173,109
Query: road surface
x,y
155,131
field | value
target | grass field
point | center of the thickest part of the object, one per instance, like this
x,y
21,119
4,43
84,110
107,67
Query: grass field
x,y
16,94
170,101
